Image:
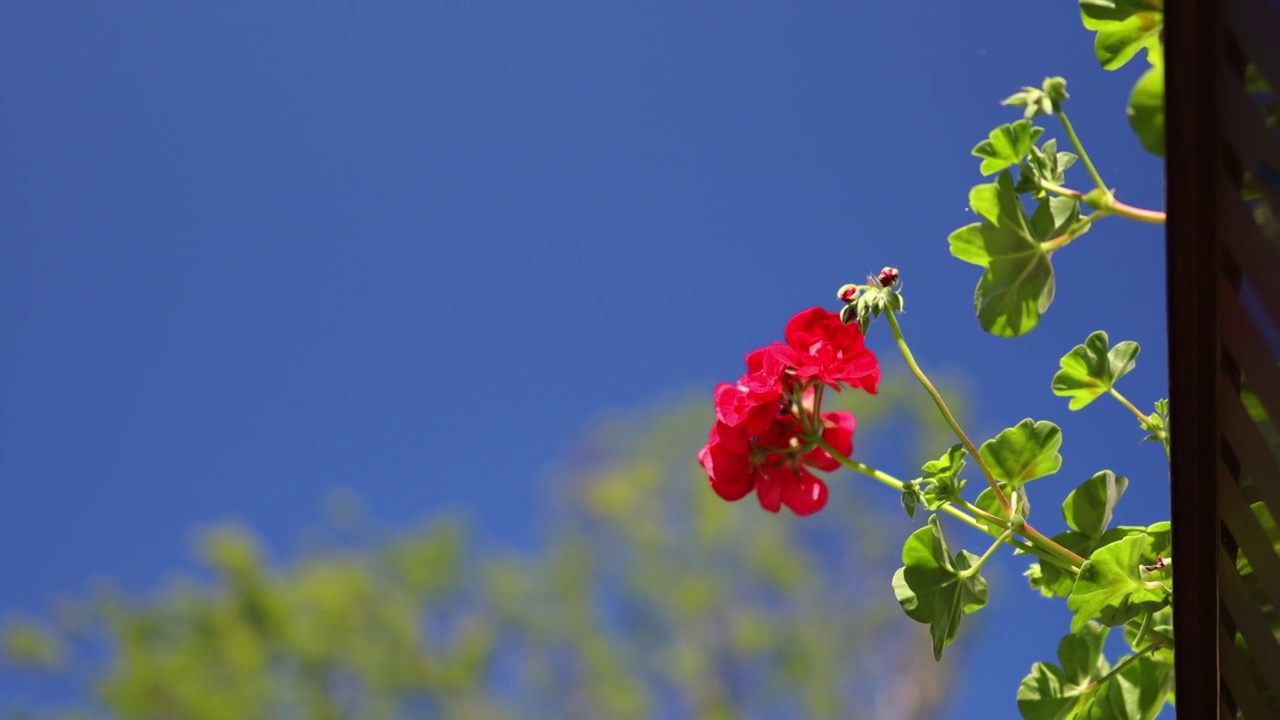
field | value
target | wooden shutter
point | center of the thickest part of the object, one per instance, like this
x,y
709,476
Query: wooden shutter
x,y
1223,185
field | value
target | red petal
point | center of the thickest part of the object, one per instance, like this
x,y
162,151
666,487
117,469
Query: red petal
x,y
769,493
806,495
728,472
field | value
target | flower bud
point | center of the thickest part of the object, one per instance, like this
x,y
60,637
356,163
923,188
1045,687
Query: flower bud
x,y
888,277
847,293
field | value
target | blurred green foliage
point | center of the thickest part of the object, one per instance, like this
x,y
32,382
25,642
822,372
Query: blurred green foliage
x,y
651,598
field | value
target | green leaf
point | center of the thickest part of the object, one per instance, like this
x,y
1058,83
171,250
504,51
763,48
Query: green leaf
x,y
1110,587
1161,535
1080,654
1024,452
1018,284
1124,27
987,501
1137,692
1052,581
1006,146
930,587
1051,692
944,485
1146,110
1092,369
1158,425
1086,688
1088,508
1044,164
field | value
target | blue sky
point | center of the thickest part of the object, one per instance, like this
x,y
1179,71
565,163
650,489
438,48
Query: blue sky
x,y
253,251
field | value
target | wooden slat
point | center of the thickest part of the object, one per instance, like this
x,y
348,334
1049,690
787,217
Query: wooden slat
x,y
1245,131
1193,45
1250,351
1248,532
1250,622
1244,240
1255,25
1237,678
1250,448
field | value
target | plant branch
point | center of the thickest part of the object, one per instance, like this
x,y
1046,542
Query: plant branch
x,y
984,523
1074,232
1133,409
946,412
1124,664
1084,156
1113,206
971,571
1039,540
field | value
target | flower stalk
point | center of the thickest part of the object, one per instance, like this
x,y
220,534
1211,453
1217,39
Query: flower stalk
x,y
946,411
1035,537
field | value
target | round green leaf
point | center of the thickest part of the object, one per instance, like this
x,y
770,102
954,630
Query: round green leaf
x,y
1110,586
1017,286
1124,27
1024,452
1138,692
1146,110
1053,693
1092,368
1006,146
1088,508
930,588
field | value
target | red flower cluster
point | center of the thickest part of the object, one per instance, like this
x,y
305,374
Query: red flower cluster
x,y
768,424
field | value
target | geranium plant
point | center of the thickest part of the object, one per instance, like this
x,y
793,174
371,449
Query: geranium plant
x,y
771,432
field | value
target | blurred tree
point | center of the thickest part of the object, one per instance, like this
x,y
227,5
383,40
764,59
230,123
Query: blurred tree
x,y
653,599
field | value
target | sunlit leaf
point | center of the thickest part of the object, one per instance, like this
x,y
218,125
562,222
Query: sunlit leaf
x,y
1024,452
1088,508
1111,587
1017,284
1092,369
1006,146
1146,110
931,586
1123,28
1053,692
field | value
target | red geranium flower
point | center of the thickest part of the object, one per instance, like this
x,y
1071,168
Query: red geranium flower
x,y
777,471
765,438
822,348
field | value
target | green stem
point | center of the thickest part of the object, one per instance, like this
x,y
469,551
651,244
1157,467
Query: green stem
x,y
1113,206
1076,231
1124,664
971,571
984,523
946,412
1039,540
1025,530
1143,628
983,515
1084,156
1161,638
896,484
1125,401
